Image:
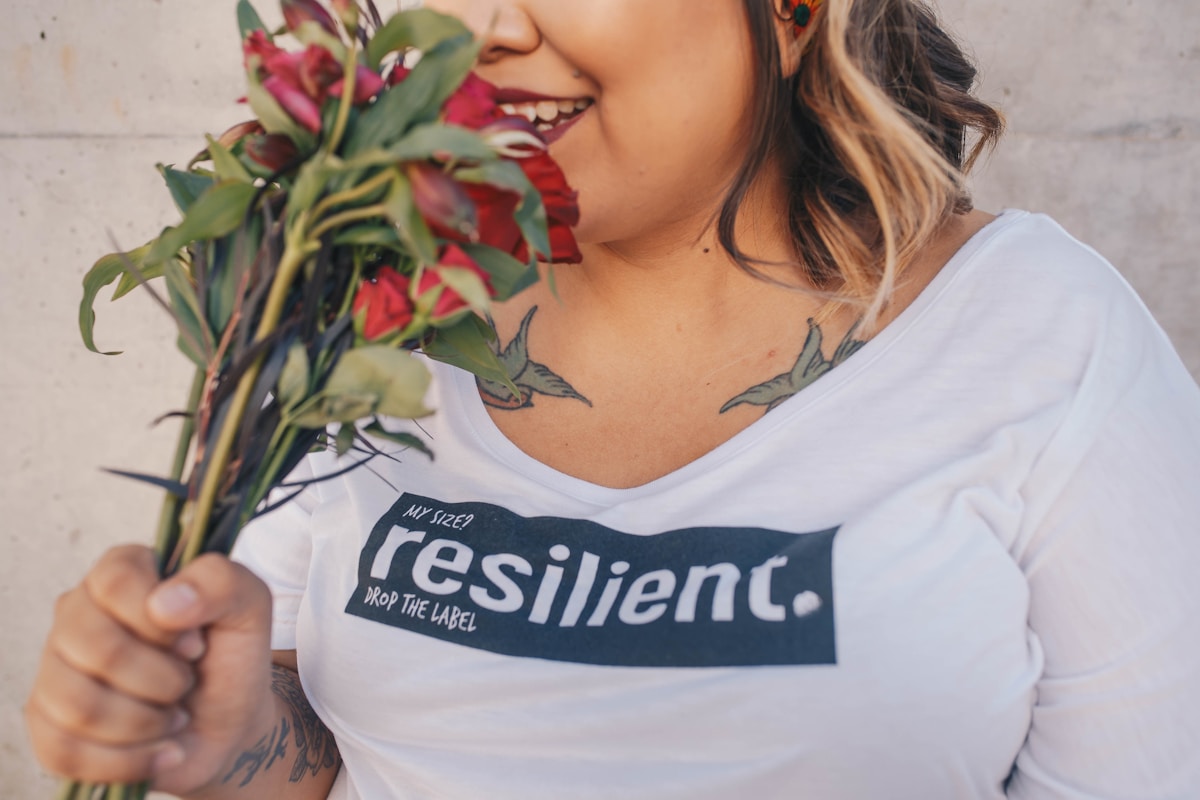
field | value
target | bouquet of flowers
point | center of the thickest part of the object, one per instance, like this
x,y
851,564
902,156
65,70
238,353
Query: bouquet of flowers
x,y
378,202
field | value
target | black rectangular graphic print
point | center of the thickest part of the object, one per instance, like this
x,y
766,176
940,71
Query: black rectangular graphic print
x,y
571,590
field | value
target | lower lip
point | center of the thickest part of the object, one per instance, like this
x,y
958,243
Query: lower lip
x,y
558,131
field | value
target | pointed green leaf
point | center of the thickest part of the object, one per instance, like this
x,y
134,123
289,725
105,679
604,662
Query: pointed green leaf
x,y
446,142
102,273
185,187
368,380
468,284
345,438
293,380
195,337
421,29
226,164
509,276
215,213
415,100
370,235
467,346
249,21
402,210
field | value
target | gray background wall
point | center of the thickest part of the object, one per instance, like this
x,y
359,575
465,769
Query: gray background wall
x,y
1102,97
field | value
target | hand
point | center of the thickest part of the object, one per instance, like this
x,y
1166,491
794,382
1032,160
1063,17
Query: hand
x,y
142,680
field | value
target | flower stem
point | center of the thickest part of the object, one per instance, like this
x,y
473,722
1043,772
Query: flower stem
x,y
354,214
294,254
350,71
350,195
168,518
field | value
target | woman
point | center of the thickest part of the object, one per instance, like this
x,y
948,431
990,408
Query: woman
x,y
679,565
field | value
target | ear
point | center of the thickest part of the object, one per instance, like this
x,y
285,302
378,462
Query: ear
x,y
793,38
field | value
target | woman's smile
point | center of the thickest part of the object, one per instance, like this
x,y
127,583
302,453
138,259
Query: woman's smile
x,y
553,116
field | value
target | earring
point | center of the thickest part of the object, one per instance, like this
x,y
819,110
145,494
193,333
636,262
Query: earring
x,y
800,14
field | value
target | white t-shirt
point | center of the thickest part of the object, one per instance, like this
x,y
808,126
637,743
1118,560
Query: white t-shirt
x,y
972,545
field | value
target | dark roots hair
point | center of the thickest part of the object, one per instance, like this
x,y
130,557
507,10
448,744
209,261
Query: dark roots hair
x,y
874,133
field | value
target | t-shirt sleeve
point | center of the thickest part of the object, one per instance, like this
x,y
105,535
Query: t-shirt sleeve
x,y
1112,559
277,547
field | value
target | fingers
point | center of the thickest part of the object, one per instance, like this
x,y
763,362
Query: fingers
x,y
120,583
82,706
64,753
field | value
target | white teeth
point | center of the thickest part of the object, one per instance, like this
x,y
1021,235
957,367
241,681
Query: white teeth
x,y
509,109
544,126
580,105
566,106
528,112
547,110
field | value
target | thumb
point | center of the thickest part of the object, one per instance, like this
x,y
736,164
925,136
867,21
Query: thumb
x,y
211,591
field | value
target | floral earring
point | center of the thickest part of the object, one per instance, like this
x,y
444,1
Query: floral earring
x,y
800,13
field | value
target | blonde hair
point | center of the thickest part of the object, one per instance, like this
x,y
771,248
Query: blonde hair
x,y
874,133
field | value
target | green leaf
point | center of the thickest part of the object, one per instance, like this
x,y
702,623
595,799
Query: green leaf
x,y
509,275
421,29
345,438
468,284
128,282
409,224
467,346
443,142
195,337
293,380
185,187
415,100
249,21
365,381
310,185
102,273
404,439
371,236
215,213
226,164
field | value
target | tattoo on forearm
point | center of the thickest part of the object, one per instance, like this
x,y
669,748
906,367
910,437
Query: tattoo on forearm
x,y
530,377
315,748
811,365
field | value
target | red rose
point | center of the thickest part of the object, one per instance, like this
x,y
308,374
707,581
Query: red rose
x,y
473,104
447,302
562,210
386,303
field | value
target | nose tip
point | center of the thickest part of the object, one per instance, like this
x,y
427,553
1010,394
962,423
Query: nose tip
x,y
505,30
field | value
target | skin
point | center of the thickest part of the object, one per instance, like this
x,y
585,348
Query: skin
x,y
657,328
657,335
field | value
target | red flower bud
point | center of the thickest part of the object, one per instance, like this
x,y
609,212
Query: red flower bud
x,y
295,102
442,201
297,12
384,303
238,132
273,151
367,84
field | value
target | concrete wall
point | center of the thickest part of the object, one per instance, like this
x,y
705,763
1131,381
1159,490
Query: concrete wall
x,y
1104,111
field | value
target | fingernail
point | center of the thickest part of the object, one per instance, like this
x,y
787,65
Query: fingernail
x,y
173,598
190,645
169,757
179,720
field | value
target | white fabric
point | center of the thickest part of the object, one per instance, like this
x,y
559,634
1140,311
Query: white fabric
x,y
1013,471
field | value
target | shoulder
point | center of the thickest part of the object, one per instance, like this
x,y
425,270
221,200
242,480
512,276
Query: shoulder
x,y
1025,281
